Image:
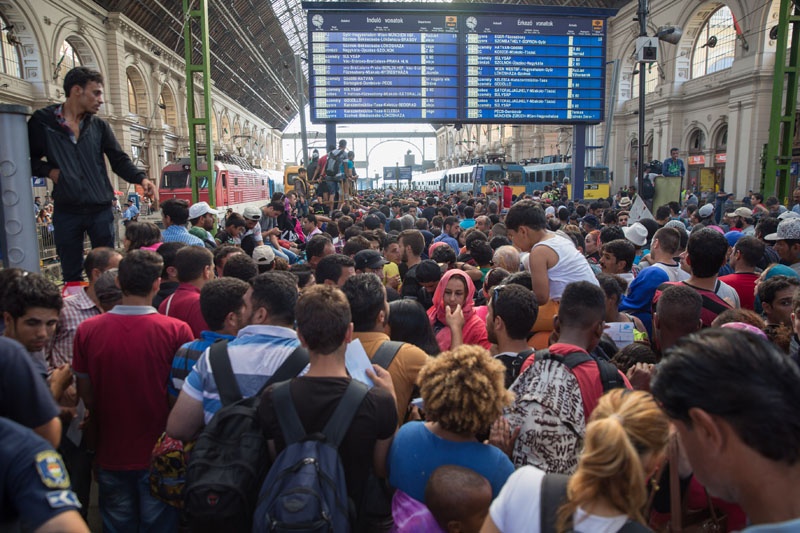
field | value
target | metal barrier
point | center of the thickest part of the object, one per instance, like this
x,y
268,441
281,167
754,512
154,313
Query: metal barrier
x,y
49,261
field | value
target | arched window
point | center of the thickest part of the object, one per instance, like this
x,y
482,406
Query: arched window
x,y
132,107
651,78
715,45
10,54
68,58
697,142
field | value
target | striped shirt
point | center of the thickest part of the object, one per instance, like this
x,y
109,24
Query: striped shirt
x,y
176,233
187,357
77,308
256,353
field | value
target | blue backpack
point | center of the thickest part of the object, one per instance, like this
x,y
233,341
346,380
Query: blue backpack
x,y
305,488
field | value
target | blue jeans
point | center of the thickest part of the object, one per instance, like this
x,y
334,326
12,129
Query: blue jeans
x,y
283,253
127,506
68,232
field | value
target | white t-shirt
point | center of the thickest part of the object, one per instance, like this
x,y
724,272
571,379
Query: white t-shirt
x,y
571,266
728,293
517,507
675,272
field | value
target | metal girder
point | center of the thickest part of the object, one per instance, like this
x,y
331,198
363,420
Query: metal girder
x,y
200,16
784,105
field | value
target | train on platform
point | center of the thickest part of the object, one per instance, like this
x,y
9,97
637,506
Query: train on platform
x,y
522,179
596,181
237,184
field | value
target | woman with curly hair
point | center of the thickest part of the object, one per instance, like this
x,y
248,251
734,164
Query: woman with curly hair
x,y
625,443
464,392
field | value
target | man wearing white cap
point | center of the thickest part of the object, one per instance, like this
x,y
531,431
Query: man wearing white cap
x,y
743,221
201,216
787,242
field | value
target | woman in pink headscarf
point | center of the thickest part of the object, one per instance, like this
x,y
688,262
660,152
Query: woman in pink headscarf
x,y
453,316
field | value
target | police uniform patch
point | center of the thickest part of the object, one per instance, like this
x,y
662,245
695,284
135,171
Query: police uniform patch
x,y
59,499
51,470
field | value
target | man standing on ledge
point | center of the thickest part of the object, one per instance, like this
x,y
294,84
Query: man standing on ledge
x,y
66,143
673,166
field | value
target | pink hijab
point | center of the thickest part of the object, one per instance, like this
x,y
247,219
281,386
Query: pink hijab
x,y
474,329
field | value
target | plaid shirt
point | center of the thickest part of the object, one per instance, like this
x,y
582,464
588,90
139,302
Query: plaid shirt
x,y
77,308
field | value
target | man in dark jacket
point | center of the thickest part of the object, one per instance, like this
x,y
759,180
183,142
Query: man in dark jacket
x,y
67,142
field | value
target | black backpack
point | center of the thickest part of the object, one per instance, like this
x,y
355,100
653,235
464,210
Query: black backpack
x,y
229,459
513,364
609,374
305,489
554,494
333,166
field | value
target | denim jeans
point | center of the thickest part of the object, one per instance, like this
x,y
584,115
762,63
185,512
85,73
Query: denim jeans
x,y
68,232
283,253
127,506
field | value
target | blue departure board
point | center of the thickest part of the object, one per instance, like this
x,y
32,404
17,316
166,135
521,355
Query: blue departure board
x,y
473,66
534,68
384,67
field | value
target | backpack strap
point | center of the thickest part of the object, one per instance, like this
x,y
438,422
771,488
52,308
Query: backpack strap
x,y
386,354
571,360
609,376
552,495
291,425
342,417
223,373
291,366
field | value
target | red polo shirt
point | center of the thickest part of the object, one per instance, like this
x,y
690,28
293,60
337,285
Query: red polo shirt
x,y
184,305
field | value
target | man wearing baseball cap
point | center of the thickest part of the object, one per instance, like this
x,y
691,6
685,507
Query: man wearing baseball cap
x,y
743,221
201,216
252,236
787,242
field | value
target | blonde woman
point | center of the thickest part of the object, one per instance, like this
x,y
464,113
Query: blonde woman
x,y
625,443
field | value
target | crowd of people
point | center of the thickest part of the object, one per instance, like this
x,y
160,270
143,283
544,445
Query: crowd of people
x,y
555,366
397,361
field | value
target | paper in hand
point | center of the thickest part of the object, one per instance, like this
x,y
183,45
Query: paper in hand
x,y
620,332
357,363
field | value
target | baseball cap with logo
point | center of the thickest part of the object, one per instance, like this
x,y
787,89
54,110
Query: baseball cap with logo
x,y
199,209
252,213
368,259
788,230
636,233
